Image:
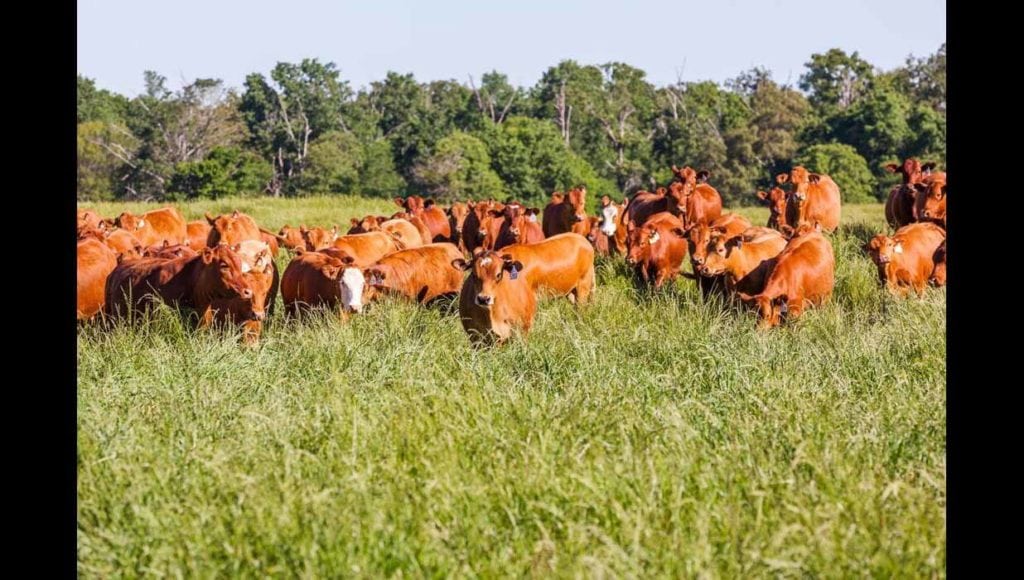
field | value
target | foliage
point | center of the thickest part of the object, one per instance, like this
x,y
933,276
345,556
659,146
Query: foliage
x,y
226,171
459,168
842,163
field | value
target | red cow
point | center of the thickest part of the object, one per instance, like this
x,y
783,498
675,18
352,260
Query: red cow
x,y
781,213
697,201
95,262
260,272
644,204
431,215
197,232
456,218
657,249
231,229
195,282
153,227
744,260
907,259
366,249
473,230
899,208
421,274
804,274
566,213
930,202
314,279
318,238
598,238
291,238
815,196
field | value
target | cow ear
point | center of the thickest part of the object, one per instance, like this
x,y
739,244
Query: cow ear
x,y
477,251
921,188
892,168
399,202
428,202
762,195
209,218
208,255
787,230
782,178
928,167
234,214
460,264
680,232
814,178
236,248
703,175
354,221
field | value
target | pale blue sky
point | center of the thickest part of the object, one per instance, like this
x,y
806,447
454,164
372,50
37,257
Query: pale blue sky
x,y
447,39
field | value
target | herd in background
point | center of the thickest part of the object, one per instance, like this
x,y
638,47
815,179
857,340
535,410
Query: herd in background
x,y
223,267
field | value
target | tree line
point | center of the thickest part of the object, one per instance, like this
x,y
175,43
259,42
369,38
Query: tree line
x,y
304,131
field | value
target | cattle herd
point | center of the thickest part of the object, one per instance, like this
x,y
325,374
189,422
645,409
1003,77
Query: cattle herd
x,y
223,267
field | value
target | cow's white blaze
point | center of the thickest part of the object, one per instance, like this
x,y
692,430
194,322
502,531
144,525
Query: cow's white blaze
x,y
898,249
608,225
142,224
246,267
654,237
352,282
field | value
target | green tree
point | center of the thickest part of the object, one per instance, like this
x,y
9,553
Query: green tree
x,y
100,171
378,176
836,80
98,104
333,165
876,126
459,168
226,171
842,163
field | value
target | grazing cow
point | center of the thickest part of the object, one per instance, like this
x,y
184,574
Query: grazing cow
x,y
366,249
930,202
292,238
744,260
804,274
938,277
566,213
907,259
196,282
456,218
421,274
314,279
657,249
473,229
95,262
153,227
431,215
318,238
697,202
260,272
197,232
815,196
231,229
781,213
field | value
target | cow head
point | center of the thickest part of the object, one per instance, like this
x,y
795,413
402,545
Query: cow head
x,y
719,250
770,311
318,238
910,169
776,202
882,249
258,270
130,223
457,216
698,239
643,239
368,223
290,237
228,228
577,198
489,270
609,219
595,229
221,274
930,201
413,204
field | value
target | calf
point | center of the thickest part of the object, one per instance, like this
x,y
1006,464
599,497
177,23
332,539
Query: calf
x,y
196,282
907,259
816,197
495,299
155,227
259,270
804,274
743,260
95,263
432,216
781,213
657,249
566,213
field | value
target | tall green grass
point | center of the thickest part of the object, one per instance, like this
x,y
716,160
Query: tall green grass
x,y
642,435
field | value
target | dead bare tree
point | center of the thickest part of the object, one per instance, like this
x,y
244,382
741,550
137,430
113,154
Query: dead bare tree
x,y
487,102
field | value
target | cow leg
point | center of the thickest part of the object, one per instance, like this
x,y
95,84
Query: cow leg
x,y
585,286
206,318
251,331
795,307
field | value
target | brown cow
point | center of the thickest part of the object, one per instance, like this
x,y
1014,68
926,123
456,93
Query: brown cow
x,y
815,196
566,213
431,215
195,282
89,220
644,204
899,207
930,202
612,222
473,230
561,265
657,249
367,248
515,224
495,299
699,237
421,227
938,277
907,259
804,273
123,243
743,260
781,213
197,232
231,229
456,218
153,227
421,274
260,272
314,279
697,201
95,262
598,238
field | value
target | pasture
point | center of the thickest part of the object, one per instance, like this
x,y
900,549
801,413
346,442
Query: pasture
x,y
642,435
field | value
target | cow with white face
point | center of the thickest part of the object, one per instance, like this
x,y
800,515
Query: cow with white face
x,y
613,224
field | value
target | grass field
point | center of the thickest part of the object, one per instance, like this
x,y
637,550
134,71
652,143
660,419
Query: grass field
x,y
639,436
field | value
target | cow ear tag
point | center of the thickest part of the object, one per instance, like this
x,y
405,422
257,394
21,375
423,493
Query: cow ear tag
x,y
513,273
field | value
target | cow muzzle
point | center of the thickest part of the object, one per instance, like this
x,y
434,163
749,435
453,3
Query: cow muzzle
x,y
257,315
486,301
578,218
246,294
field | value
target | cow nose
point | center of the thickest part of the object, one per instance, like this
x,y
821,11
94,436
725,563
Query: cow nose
x,y
354,309
247,293
578,217
254,315
484,300
927,213
699,260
